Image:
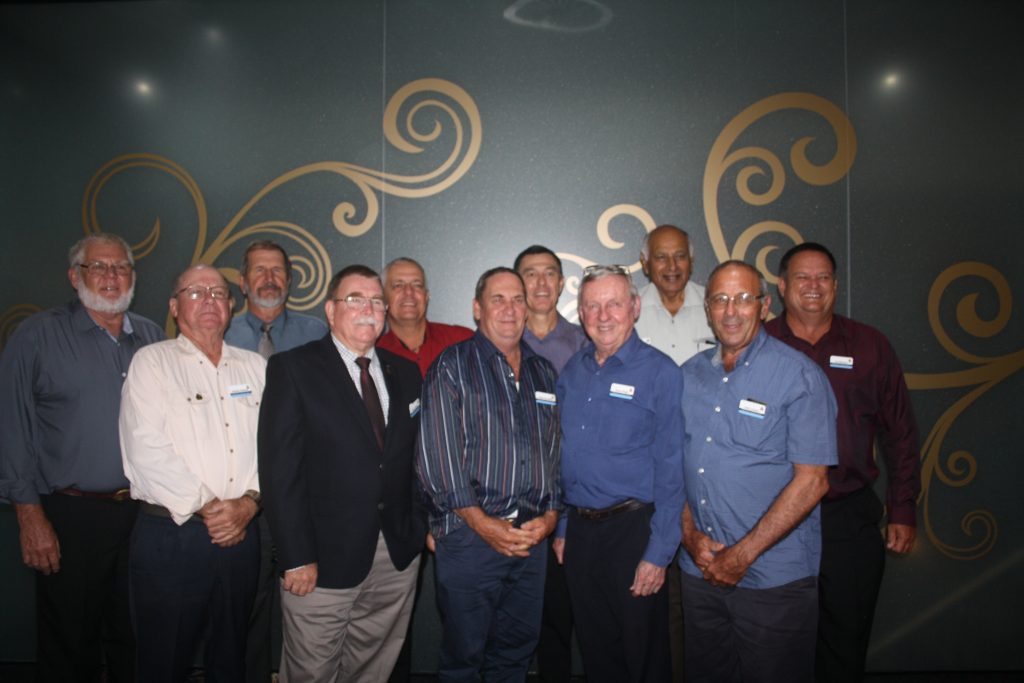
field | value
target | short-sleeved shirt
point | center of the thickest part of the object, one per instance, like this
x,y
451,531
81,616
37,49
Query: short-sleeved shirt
x,y
745,429
60,391
680,335
288,330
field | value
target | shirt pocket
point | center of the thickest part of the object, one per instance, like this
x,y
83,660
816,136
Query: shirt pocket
x,y
626,426
760,434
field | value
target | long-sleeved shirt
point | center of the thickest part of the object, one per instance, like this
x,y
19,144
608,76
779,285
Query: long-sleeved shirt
x,y
60,390
559,345
745,429
622,437
486,440
873,400
287,331
188,427
436,339
680,335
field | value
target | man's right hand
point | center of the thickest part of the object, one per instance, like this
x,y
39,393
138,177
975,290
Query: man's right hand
x,y
40,549
498,533
300,581
702,548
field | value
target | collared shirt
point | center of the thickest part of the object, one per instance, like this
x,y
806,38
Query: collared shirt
x,y
873,399
60,389
622,437
680,335
559,345
355,372
484,441
745,430
287,331
436,339
188,427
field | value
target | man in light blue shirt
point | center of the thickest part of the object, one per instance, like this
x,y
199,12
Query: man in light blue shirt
x,y
760,435
266,328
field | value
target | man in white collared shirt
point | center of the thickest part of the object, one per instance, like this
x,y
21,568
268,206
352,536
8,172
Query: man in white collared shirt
x,y
189,410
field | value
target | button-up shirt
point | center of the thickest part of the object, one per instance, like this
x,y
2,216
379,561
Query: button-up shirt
x,y
287,331
188,427
680,335
873,399
484,439
559,345
745,430
348,357
436,339
622,437
60,390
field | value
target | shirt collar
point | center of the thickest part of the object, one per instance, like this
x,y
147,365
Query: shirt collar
x,y
83,322
624,354
257,325
488,349
839,327
747,355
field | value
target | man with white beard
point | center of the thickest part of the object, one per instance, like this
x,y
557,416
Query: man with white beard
x,y
60,462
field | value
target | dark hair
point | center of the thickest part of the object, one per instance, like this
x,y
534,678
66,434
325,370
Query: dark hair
x,y
805,246
533,250
735,263
356,269
482,282
266,245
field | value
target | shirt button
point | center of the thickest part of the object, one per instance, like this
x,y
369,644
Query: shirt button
x,y
380,506
709,529
718,409
708,439
725,379
703,501
700,470
124,374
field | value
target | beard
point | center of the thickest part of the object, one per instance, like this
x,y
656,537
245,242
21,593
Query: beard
x,y
95,302
273,301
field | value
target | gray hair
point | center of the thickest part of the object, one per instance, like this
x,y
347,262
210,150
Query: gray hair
x,y
403,259
645,250
735,263
591,273
77,251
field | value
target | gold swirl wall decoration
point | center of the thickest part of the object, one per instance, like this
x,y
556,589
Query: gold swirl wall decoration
x,y
764,162
12,317
407,126
959,467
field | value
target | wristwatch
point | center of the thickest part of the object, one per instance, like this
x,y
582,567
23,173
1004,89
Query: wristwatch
x,y
256,497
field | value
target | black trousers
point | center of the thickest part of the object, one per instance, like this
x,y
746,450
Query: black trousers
x,y
82,610
852,563
554,651
622,639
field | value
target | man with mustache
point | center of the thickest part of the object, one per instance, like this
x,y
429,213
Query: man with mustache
x,y
267,327
60,462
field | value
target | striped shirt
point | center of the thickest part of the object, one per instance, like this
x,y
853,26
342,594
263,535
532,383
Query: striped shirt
x,y
484,441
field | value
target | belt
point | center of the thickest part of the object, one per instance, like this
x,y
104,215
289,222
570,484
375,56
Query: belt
x,y
160,511
118,495
593,515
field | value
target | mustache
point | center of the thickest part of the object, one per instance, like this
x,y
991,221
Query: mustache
x,y
365,320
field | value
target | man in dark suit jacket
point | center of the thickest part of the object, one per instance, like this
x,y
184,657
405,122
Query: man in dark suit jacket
x,y
338,490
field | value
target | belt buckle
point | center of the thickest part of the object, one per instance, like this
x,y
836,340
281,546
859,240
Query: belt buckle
x,y
121,495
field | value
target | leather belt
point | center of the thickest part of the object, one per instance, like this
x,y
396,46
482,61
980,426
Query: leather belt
x,y
595,515
118,495
160,511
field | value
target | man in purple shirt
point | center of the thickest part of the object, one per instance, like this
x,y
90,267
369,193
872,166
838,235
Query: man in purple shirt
x,y
873,402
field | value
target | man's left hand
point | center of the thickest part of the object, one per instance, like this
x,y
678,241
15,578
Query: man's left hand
x,y
899,538
727,568
539,528
648,579
226,520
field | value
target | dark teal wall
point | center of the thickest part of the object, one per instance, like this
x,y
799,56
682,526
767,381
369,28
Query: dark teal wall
x,y
567,110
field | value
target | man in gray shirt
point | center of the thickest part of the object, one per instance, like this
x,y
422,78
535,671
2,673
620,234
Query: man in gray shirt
x,y
60,462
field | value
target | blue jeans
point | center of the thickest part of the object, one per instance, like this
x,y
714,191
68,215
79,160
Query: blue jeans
x,y
490,606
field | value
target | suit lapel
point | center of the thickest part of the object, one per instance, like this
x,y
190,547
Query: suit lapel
x,y
344,388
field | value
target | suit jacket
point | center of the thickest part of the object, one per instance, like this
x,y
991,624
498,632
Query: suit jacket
x,y
327,488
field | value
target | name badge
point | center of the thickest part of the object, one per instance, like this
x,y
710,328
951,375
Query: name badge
x,y
753,408
841,362
545,398
623,391
414,408
238,391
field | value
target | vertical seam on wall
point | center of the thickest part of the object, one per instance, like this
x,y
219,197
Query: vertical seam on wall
x,y
849,173
383,107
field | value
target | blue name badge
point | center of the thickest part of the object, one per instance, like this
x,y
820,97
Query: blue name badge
x,y
239,391
545,398
841,362
752,408
623,391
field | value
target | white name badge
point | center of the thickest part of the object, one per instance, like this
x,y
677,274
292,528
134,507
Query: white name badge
x,y
624,391
753,408
841,362
414,408
239,391
545,398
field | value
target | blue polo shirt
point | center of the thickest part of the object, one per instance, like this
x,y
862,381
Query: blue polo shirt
x,y
622,437
744,431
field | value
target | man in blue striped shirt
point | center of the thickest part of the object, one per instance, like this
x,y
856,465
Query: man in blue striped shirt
x,y
488,459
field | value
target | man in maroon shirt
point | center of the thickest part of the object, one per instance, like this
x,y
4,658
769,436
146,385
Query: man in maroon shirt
x,y
874,403
410,334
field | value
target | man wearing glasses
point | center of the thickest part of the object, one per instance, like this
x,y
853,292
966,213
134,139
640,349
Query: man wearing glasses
x,y
60,463
622,472
760,436
188,440
336,440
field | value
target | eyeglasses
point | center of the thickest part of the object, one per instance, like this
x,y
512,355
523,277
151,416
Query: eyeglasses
x,y
100,269
720,302
198,292
358,303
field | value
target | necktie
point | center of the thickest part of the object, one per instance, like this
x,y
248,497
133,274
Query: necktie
x,y
371,399
266,346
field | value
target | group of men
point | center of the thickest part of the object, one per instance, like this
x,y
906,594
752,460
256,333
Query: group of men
x,y
269,461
